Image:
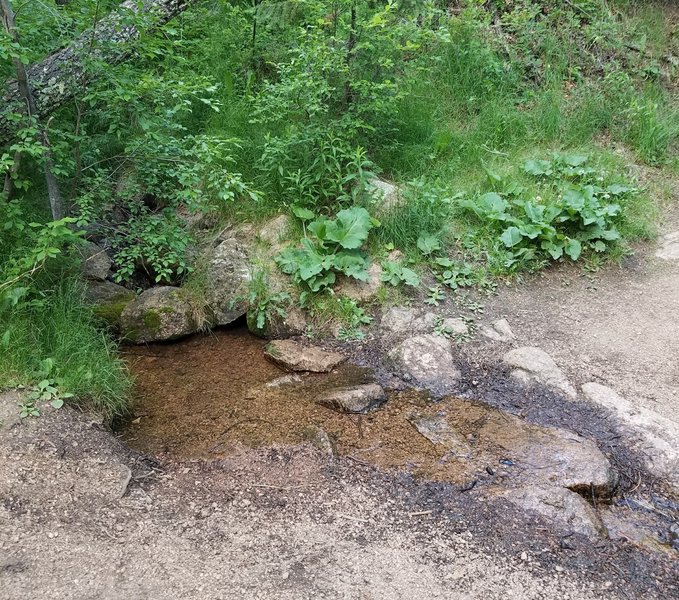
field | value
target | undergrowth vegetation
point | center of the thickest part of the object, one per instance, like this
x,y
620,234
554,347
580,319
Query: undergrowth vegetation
x,y
507,125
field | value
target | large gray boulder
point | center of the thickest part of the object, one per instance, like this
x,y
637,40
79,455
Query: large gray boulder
x,y
227,277
159,314
427,359
109,300
669,247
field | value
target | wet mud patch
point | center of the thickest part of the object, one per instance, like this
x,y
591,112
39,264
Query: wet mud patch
x,y
210,396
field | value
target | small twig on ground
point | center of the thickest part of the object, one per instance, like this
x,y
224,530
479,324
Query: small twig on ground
x,y
421,513
350,518
125,482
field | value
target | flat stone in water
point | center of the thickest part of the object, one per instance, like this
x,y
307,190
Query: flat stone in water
x,y
294,356
355,399
439,432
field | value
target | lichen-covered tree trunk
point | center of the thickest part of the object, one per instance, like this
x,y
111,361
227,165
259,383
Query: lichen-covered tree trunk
x,y
60,76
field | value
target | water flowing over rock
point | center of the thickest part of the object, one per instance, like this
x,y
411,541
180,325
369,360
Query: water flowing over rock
x,y
294,356
355,399
228,274
657,436
479,435
535,365
159,314
427,359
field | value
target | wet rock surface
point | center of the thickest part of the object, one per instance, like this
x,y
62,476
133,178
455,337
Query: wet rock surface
x,y
428,361
657,437
565,510
356,399
294,356
533,364
158,314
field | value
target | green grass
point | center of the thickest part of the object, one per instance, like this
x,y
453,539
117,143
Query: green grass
x,y
63,329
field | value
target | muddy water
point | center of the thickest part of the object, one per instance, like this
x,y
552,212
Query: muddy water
x,y
205,396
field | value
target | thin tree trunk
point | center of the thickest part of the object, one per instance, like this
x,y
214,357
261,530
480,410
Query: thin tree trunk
x,y
60,76
56,203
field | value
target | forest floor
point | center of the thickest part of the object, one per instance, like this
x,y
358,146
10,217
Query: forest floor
x,y
83,516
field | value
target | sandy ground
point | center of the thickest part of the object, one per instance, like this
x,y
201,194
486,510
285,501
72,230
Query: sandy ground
x,y
278,523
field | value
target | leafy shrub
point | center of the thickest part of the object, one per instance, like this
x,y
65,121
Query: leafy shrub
x,y
582,215
334,247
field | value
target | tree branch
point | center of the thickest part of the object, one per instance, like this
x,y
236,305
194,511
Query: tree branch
x,y
60,76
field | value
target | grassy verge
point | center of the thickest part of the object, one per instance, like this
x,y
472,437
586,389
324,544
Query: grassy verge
x,y
60,329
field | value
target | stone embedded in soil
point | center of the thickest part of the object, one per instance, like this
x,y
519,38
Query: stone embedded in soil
x,y
109,300
565,510
360,291
669,247
386,195
454,325
657,436
96,263
498,331
439,432
535,365
427,359
158,314
294,356
227,276
274,232
321,440
354,399
402,319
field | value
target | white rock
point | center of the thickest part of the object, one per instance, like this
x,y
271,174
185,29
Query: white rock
x,y
498,331
386,195
428,360
659,435
535,365
669,247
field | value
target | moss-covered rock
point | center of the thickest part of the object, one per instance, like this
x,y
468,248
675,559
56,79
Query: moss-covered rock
x,y
108,301
158,314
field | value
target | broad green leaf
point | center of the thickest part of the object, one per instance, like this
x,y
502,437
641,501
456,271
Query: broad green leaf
x,y
318,227
574,199
616,189
409,277
444,261
574,160
538,167
351,227
554,250
427,244
599,246
511,236
352,265
57,403
302,213
573,248
492,203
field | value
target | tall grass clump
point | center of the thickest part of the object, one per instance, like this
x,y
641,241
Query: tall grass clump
x,y
59,328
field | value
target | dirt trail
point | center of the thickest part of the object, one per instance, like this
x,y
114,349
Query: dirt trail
x,y
619,327
277,523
